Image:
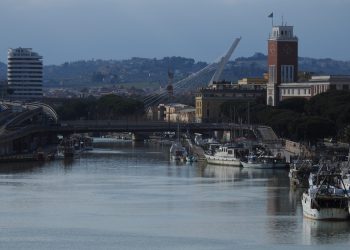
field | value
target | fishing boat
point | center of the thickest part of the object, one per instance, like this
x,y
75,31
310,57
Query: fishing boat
x,y
224,155
264,161
178,152
326,199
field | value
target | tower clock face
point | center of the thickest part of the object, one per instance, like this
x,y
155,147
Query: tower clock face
x,y
287,50
272,49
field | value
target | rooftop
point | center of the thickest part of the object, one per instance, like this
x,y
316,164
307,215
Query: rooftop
x,y
22,52
282,32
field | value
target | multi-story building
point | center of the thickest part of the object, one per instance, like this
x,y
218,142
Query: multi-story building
x,y
172,112
316,85
283,82
282,61
24,74
253,82
210,99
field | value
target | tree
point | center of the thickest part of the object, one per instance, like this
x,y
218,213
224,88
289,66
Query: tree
x,y
107,107
295,104
315,127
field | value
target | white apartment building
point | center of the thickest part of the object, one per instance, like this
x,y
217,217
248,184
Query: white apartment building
x,y
316,85
24,74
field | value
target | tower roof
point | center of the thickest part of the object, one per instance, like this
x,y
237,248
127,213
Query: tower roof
x,y
282,32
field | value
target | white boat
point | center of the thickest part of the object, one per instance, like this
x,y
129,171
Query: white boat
x,y
325,199
269,162
224,155
178,152
345,184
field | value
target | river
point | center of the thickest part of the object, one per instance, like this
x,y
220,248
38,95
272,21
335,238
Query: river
x,y
129,196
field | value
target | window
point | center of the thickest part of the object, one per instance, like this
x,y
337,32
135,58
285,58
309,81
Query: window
x,y
287,73
272,73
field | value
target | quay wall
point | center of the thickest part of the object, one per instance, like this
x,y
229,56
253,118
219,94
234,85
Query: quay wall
x,y
296,148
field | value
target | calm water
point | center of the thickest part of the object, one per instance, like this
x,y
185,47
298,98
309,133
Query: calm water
x,y
125,196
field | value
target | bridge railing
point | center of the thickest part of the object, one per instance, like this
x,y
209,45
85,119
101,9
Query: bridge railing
x,y
47,109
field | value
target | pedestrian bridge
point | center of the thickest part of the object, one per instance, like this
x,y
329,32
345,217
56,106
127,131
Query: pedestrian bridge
x,y
85,126
18,120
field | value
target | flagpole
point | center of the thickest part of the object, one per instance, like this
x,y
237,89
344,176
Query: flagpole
x,y
271,16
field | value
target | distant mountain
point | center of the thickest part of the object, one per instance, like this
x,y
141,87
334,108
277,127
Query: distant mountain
x,y
134,70
324,66
144,70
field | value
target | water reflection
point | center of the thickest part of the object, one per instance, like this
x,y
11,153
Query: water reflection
x,y
132,192
325,232
295,195
222,173
21,167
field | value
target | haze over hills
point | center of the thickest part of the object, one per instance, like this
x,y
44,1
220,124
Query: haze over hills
x,y
144,70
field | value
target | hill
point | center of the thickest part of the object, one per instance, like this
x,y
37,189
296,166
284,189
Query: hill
x,y
145,70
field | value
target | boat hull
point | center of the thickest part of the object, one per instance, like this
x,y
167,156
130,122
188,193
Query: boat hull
x,y
263,165
226,161
177,158
322,213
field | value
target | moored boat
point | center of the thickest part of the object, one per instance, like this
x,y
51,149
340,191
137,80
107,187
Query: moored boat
x,y
264,161
178,152
325,199
224,155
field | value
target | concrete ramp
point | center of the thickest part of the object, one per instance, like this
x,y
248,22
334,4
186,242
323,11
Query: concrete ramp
x,y
266,134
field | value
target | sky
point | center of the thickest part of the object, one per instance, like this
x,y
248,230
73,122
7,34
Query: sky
x,y
69,30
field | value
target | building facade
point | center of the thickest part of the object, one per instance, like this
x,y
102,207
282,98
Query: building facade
x,y
283,82
316,85
172,112
24,74
209,100
253,82
282,61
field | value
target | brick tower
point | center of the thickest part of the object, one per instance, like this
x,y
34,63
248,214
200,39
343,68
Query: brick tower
x,y
282,61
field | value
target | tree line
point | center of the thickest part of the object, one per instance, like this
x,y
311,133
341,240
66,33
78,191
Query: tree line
x,y
108,107
324,115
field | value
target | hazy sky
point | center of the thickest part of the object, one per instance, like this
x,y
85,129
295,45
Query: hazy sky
x,y
68,30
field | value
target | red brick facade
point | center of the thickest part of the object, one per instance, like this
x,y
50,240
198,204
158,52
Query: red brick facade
x,y
283,53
